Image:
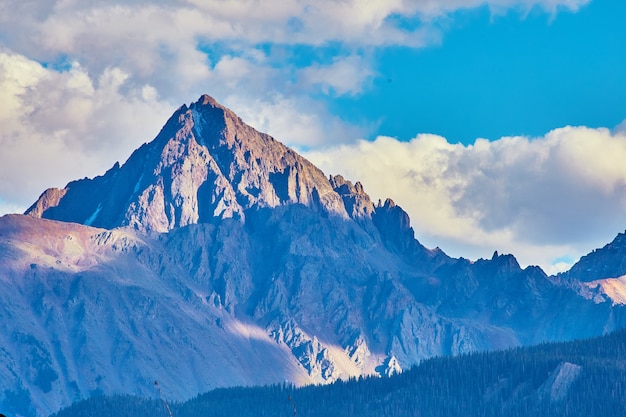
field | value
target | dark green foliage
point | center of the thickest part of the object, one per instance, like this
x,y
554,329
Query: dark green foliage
x,y
511,383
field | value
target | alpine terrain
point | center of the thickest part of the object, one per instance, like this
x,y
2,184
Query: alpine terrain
x,y
216,256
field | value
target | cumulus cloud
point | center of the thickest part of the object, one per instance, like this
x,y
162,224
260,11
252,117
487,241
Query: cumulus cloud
x,y
354,21
298,122
72,26
184,48
346,75
539,198
58,126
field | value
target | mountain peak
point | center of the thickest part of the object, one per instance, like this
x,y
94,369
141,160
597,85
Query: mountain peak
x,y
606,262
206,99
205,163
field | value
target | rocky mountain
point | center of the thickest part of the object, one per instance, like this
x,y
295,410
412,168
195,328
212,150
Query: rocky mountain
x,y
606,262
601,274
204,164
216,256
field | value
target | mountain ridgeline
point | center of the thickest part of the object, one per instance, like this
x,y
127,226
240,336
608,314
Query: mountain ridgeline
x,y
215,256
205,164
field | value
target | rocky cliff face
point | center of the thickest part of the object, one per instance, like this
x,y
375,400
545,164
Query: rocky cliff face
x,y
606,262
217,256
88,311
204,164
601,274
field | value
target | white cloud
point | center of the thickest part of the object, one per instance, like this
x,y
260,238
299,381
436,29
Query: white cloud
x,y
59,126
558,267
298,122
160,44
363,22
346,75
143,36
541,199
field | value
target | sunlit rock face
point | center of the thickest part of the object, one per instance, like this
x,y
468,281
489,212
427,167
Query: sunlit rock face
x,y
204,164
216,256
601,274
556,388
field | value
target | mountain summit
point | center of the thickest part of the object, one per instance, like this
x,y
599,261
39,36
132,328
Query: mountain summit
x,y
205,163
216,256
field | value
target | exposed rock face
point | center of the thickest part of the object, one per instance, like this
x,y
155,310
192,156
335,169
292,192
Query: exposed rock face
x,y
601,274
606,262
356,201
557,386
204,164
310,353
87,311
217,256
390,367
50,198
612,288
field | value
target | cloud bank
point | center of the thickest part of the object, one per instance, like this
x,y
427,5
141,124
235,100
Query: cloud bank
x,y
548,200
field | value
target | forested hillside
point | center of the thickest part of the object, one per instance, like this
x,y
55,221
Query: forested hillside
x,y
580,378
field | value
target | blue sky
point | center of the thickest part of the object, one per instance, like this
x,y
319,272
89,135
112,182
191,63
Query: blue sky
x,y
494,76
497,124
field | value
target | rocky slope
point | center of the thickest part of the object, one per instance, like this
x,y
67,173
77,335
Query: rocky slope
x,y
601,274
216,256
606,262
204,164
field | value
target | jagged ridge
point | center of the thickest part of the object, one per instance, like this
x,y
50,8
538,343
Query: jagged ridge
x,y
204,164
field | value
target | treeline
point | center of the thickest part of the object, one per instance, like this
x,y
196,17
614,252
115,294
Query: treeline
x,y
519,382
